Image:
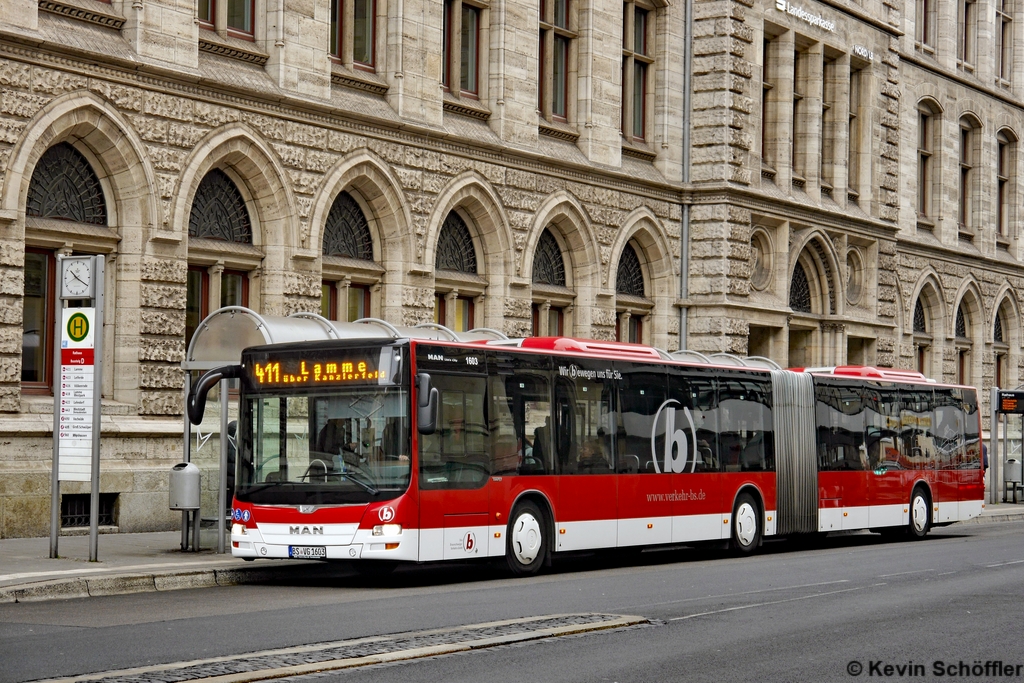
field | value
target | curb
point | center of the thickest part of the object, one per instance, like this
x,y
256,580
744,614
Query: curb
x,y
124,584
318,658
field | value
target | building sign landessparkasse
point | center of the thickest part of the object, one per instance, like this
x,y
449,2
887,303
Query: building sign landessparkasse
x,y
804,15
76,393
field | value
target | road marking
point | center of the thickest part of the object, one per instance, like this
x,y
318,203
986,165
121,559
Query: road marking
x,y
733,595
490,635
916,571
113,568
773,602
1003,564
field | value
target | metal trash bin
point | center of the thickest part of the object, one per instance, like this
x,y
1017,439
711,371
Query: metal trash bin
x,y
184,490
1011,478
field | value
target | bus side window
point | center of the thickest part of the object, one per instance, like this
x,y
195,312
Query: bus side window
x,y
520,419
641,393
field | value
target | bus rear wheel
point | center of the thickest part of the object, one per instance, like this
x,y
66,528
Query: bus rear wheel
x,y
746,525
526,547
920,514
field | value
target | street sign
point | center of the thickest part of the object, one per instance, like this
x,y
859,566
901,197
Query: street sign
x,y
76,394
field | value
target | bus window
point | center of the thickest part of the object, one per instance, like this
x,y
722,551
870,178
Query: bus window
x,y
696,393
842,416
642,393
948,432
744,425
972,434
583,407
521,401
917,448
457,455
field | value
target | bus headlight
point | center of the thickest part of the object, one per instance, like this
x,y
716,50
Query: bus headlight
x,y
237,530
387,530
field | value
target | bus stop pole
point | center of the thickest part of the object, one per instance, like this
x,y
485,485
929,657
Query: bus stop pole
x,y
185,458
993,456
222,486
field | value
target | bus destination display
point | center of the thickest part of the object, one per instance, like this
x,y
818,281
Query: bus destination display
x,y
312,371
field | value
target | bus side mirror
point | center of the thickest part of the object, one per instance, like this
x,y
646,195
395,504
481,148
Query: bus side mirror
x,y
195,405
426,404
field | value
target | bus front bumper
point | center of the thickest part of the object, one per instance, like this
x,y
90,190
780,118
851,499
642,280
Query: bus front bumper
x,y
362,545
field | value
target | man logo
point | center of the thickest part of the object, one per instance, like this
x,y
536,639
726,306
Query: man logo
x,y
677,449
386,513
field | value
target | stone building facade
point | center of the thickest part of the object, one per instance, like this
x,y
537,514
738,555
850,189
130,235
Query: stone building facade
x,y
726,176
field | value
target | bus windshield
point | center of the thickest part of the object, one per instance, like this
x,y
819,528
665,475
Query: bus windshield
x,y
345,445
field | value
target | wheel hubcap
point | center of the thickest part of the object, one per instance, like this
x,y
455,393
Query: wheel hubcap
x,y
526,538
920,513
746,524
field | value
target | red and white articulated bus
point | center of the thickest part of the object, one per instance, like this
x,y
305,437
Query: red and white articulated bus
x,y
396,448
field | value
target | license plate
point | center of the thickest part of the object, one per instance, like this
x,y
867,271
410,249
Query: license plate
x,y
308,552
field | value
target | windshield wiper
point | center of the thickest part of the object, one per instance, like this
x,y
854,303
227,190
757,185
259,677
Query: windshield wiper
x,y
369,488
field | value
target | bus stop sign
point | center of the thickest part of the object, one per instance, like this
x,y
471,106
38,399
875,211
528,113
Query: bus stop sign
x,y
1011,402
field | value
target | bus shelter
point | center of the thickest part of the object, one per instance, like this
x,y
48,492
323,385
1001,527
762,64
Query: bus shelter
x,y
219,340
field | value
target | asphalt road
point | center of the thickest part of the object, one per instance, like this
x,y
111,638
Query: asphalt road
x,y
792,613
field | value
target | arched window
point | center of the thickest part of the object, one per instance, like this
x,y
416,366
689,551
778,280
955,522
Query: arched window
x,y
920,322
550,305
347,232
455,253
455,246
800,290
548,264
922,336
963,345
630,277
64,186
961,323
1001,349
346,235
218,211
631,303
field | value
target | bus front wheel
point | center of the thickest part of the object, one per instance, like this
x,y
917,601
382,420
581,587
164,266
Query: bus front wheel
x,y
746,525
527,545
920,514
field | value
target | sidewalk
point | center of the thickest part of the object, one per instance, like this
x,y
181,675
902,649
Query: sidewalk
x,y
138,563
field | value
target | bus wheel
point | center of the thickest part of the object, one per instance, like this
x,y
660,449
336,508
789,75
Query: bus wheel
x,y
746,525
920,514
526,545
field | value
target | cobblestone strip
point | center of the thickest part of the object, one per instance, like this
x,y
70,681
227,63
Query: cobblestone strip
x,y
360,652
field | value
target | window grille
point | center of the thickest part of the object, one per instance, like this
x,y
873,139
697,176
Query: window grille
x,y
64,186
347,232
218,211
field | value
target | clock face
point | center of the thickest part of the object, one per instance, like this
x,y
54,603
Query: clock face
x,y
76,282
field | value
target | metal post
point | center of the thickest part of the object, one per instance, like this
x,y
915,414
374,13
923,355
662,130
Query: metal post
x,y
55,473
993,438
222,502
185,458
99,263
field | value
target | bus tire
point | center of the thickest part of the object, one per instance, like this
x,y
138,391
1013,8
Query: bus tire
x,y
746,525
920,514
526,547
